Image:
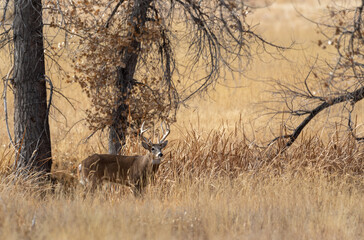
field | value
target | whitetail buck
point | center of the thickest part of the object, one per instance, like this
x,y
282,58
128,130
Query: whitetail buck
x,y
134,171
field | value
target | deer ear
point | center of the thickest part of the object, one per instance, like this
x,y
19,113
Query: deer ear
x,y
164,144
146,145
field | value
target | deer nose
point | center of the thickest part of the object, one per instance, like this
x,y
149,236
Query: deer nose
x,y
160,155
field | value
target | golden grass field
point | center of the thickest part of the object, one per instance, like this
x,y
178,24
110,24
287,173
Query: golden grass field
x,y
214,183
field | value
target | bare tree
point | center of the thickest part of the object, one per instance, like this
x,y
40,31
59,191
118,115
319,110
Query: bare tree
x,y
329,84
31,129
142,59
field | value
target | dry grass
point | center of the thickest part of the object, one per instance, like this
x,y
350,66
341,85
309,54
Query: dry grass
x,y
214,182
212,185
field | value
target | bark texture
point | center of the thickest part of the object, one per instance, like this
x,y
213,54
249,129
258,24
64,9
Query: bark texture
x,y
125,75
31,127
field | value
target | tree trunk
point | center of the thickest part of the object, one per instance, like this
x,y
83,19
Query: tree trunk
x,y
125,76
31,126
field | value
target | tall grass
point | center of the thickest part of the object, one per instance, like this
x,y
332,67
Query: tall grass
x,y
211,185
216,181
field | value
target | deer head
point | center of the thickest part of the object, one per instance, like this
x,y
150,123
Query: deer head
x,y
155,148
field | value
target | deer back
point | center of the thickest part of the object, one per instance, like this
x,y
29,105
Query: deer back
x,y
98,167
115,168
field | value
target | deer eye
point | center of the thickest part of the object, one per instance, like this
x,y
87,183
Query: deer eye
x,y
153,148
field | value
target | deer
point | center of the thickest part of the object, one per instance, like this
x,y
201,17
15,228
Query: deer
x,y
132,171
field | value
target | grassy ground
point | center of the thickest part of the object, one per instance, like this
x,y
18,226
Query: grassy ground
x,y
209,187
214,183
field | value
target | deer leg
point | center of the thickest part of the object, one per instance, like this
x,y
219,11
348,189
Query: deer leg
x,y
137,187
138,190
91,183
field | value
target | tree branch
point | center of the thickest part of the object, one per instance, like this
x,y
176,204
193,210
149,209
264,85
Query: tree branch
x,y
353,97
113,13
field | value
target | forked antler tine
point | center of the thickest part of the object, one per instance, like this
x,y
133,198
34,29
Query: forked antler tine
x,y
142,131
165,134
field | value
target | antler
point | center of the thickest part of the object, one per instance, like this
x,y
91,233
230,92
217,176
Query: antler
x,y
142,131
165,134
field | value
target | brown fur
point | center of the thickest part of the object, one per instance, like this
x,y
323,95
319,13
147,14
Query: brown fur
x,y
134,171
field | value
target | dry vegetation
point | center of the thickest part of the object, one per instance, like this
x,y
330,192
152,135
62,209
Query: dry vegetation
x,y
211,186
215,182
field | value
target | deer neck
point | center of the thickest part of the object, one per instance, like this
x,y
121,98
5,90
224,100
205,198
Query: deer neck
x,y
153,160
